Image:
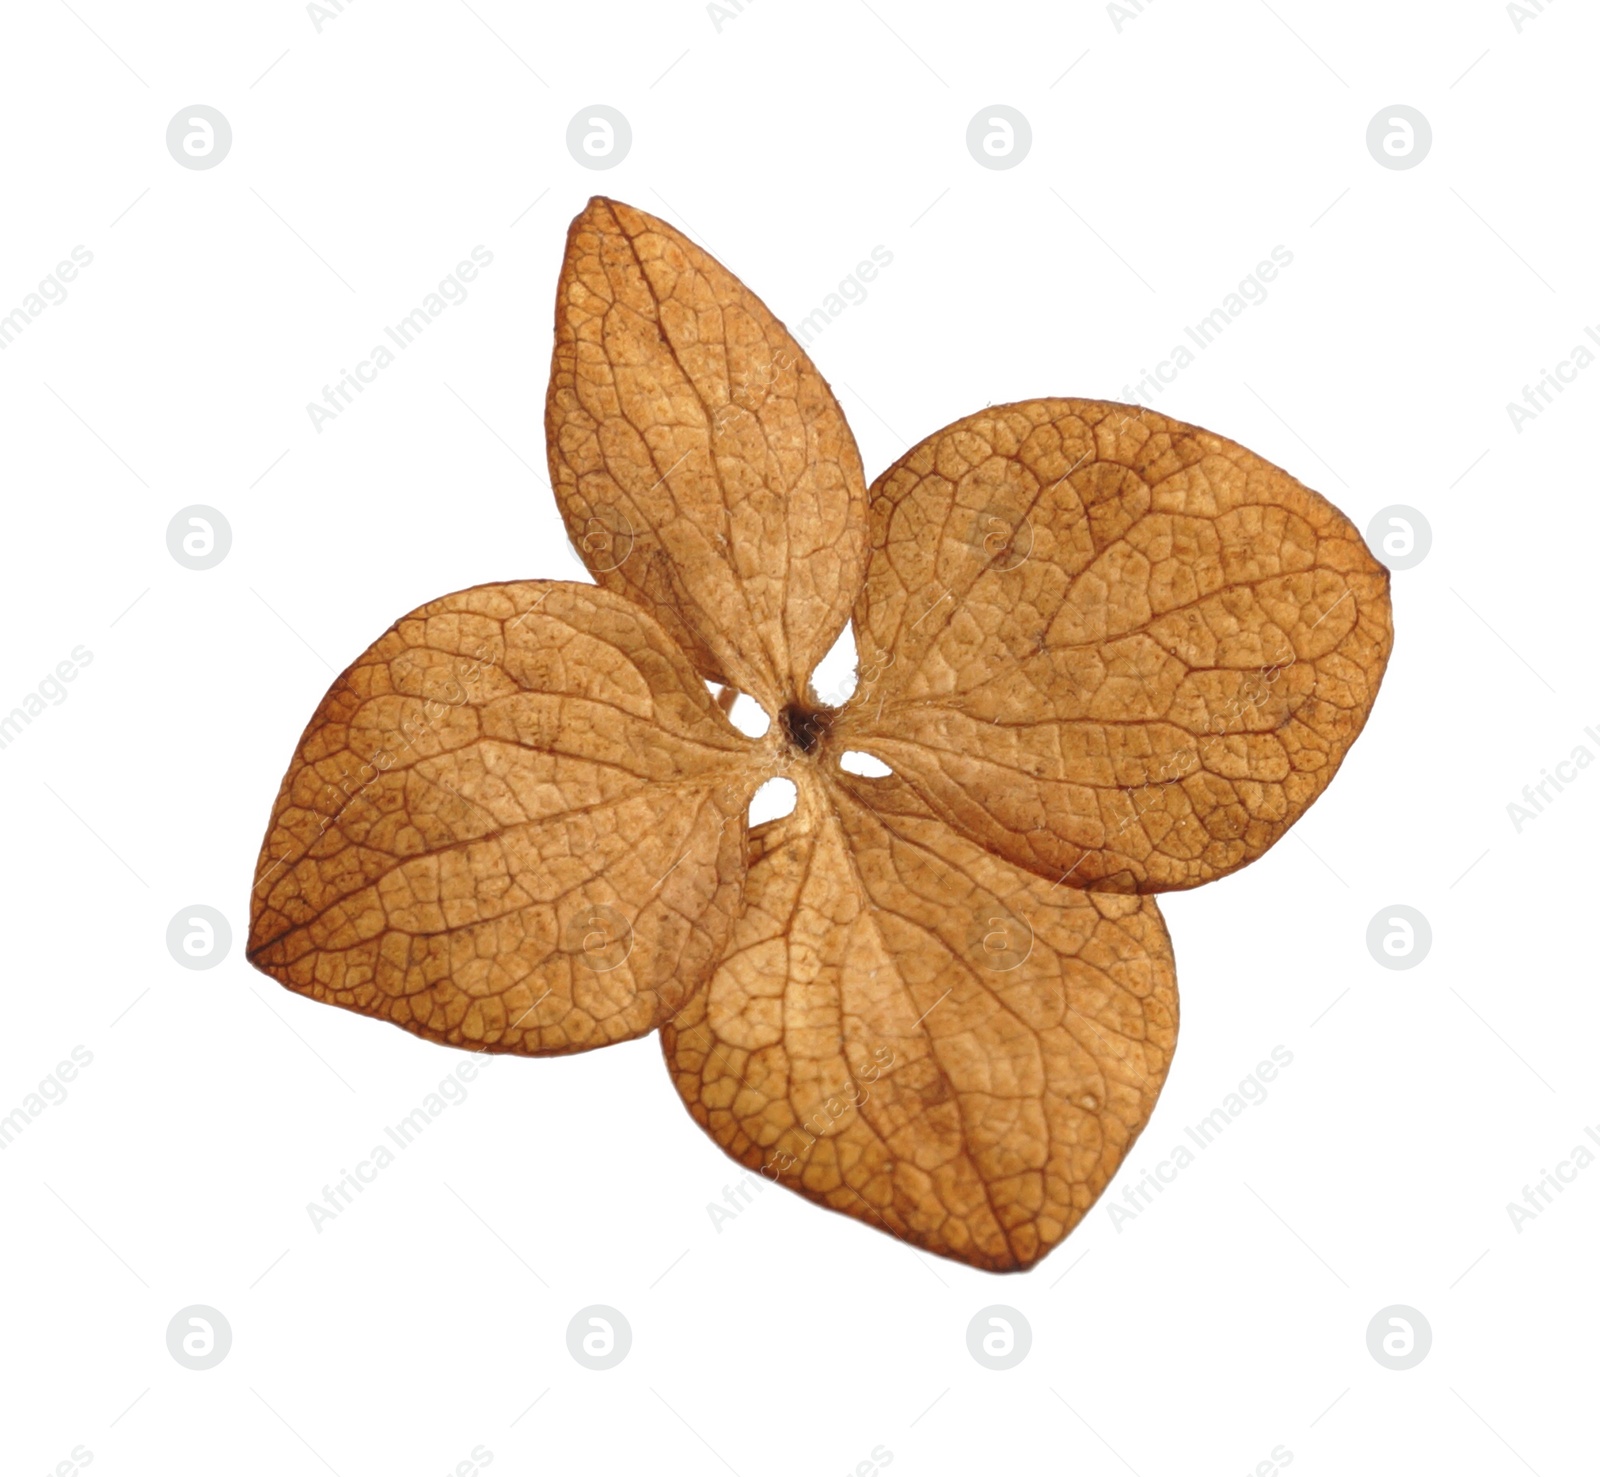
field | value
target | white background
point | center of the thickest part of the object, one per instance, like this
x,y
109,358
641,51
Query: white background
x,y
1169,156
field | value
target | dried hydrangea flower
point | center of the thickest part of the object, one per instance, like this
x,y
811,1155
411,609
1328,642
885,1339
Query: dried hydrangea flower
x,y
1103,654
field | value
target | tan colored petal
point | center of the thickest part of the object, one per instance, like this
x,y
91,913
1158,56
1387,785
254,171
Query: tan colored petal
x,y
915,1033
700,461
1111,646
515,823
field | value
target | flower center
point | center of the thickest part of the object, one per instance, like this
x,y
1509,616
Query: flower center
x,y
806,727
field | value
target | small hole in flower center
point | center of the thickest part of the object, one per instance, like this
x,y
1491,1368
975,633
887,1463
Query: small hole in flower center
x,y
869,766
774,800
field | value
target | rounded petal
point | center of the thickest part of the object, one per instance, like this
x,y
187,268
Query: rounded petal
x,y
1110,646
515,823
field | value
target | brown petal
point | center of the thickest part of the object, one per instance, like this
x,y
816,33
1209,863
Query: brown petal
x,y
700,461
515,823
915,1033
1111,646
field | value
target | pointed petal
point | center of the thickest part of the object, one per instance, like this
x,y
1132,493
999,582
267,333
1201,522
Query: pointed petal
x,y
911,1031
701,463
